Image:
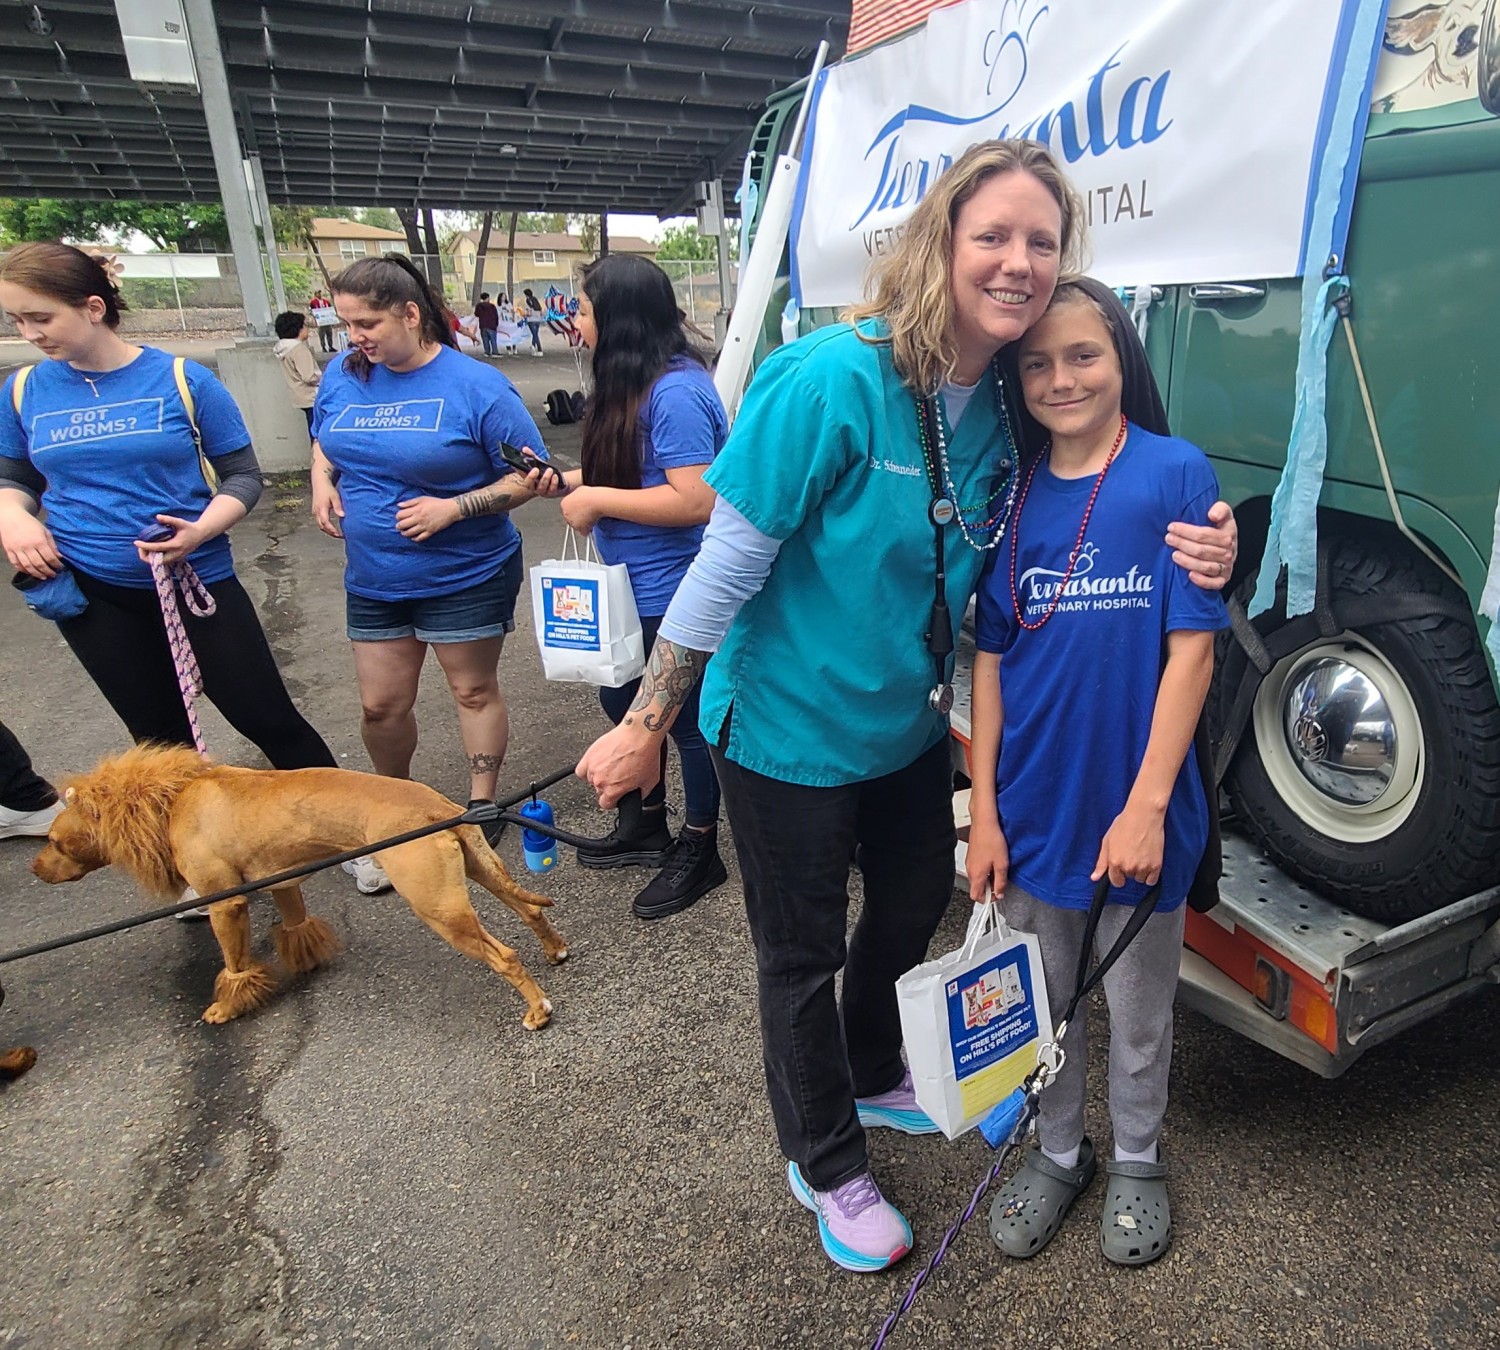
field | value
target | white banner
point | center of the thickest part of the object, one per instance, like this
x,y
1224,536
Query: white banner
x,y
1192,129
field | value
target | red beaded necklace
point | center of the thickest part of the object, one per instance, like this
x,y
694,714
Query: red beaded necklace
x,y
1015,533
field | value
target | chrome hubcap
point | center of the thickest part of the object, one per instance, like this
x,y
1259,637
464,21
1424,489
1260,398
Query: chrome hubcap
x,y
1340,731
1341,740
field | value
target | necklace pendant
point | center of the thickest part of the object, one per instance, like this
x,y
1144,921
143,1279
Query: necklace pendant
x,y
940,700
942,511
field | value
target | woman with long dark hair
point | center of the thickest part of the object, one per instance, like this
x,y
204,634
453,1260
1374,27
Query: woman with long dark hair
x,y
407,471
653,425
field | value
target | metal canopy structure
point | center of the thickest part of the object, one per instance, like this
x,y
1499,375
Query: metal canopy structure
x,y
562,105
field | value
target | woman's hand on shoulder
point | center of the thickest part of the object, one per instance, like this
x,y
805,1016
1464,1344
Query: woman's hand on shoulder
x,y
29,545
987,861
420,518
1208,552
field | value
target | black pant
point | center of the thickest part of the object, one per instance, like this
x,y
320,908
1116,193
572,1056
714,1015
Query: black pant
x,y
122,643
21,787
794,844
325,339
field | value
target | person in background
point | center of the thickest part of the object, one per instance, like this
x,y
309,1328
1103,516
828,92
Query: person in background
x,y
531,314
654,424
319,302
488,315
298,364
825,701
28,802
407,472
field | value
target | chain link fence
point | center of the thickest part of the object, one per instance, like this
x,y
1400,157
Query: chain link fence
x,y
198,295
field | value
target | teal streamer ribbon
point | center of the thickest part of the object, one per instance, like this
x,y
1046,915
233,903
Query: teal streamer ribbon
x,y
1293,536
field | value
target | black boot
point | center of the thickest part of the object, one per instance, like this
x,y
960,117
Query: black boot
x,y
691,870
640,838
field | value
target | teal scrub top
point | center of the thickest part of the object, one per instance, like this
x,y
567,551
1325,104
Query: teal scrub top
x,y
824,676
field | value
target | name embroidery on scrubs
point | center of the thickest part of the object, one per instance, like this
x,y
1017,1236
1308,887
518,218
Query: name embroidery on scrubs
x,y
414,414
69,426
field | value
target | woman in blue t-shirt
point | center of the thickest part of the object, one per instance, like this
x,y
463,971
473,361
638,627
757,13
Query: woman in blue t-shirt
x,y
100,438
654,424
407,471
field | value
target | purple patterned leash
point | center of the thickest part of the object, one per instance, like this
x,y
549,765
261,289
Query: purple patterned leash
x,y
170,577
1017,1134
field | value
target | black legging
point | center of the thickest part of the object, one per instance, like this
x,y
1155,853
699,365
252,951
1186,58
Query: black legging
x,y
21,787
122,643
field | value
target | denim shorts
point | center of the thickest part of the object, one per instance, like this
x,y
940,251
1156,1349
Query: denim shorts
x,y
484,611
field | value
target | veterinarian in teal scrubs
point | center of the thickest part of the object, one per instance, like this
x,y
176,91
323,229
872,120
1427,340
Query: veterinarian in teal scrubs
x,y
816,585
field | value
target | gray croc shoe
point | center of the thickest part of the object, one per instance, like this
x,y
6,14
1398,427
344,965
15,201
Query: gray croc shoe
x,y
1031,1206
1137,1222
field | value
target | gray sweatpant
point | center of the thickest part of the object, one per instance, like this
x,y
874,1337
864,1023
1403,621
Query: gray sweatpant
x,y
1139,989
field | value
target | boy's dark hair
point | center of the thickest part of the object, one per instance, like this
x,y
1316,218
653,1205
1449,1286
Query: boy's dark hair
x,y
289,324
640,331
484,295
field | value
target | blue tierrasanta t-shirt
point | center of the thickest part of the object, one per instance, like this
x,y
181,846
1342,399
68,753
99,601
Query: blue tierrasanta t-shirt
x,y
682,423
430,432
116,449
1080,693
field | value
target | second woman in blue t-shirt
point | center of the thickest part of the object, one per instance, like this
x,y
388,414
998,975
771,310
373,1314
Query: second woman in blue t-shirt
x,y
407,471
654,424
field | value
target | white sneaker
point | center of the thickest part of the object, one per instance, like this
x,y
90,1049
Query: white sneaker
x,y
369,876
29,824
191,915
536,351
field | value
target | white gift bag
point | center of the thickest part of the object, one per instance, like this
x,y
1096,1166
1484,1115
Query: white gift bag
x,y
587,627
972,1021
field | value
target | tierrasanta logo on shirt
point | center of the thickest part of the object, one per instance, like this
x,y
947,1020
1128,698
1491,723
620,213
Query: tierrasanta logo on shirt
x,y
413,414
1087,588
95,421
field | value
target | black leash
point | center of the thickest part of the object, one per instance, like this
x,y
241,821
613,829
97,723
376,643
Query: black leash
x,y
1029,1093
484,814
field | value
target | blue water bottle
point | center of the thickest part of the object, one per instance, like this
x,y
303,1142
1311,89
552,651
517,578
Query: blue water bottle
x,y
540,849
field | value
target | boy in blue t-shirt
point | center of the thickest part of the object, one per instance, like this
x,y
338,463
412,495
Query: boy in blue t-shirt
x,y
1095,656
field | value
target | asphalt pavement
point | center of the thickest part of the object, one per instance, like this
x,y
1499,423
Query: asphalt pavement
x,y
383,1156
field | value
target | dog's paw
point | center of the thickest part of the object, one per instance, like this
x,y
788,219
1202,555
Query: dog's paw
x,y
13,1063
557,956
218,1013
538,1017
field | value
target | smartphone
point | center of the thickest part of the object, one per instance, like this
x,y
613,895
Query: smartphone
x,y
522,461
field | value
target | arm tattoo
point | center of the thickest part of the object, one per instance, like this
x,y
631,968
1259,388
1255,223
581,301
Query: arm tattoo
x,y
483,502
482,763
671,673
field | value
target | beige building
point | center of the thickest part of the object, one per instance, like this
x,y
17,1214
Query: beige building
x,y
542,260
341,242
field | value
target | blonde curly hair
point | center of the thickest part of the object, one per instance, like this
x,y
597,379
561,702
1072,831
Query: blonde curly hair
x,y
911,288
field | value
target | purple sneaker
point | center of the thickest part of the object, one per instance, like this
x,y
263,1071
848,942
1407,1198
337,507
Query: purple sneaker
x,y
896,1110
861,1230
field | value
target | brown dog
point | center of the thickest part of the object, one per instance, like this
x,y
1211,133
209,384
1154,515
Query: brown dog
x,y
172,819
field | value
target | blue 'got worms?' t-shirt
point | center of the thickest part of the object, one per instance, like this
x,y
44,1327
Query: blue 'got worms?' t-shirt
x,y
430,432
116,449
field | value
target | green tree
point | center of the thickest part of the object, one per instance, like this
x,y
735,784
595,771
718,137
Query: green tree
x,y
684,241
168,225
382,217
587,230
541,222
